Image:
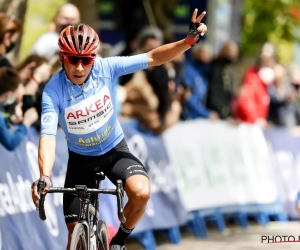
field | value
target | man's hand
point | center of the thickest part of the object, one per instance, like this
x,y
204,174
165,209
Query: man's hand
x,y
30,117
196,29
26,72
34,192
42,73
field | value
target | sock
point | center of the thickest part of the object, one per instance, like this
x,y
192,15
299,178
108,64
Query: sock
x,y
121,236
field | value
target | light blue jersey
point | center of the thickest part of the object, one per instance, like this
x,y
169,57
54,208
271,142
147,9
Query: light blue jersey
x,y
87,113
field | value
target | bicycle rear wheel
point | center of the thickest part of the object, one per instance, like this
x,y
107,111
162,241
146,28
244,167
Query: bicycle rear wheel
x,y
102,235
78,241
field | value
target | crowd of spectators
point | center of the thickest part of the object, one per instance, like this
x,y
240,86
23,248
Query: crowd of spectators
x,y
208,86
203,85
21,85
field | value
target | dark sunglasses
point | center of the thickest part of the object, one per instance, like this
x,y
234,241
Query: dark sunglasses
x,y
74,60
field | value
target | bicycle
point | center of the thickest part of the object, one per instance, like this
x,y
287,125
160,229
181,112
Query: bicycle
x,y
88,225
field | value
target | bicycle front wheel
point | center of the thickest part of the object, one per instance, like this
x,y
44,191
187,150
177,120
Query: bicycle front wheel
x,y
102,235
78,241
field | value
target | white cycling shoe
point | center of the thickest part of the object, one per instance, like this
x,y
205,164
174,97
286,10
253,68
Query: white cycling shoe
x,y
117,247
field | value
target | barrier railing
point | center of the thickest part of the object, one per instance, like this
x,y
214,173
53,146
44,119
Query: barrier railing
x,y
199,171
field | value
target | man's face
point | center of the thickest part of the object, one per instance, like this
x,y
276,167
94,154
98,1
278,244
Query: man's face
x,y
205,55
230,52
78,73
150,44
8,97
67,16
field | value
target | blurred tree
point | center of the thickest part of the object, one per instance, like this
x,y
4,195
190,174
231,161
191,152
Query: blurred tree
x,y
269,20
88,11
164,13
17,9
39,14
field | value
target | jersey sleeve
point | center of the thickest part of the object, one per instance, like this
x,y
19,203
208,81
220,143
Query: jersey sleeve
x,y
121,65
50,112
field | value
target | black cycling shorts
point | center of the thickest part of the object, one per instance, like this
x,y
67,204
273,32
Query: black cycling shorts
x,y
116,164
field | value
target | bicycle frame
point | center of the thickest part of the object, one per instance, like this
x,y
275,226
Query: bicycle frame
x,y
84,216
83,193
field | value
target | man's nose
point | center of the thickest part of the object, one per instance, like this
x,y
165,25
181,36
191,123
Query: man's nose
x,y
79,66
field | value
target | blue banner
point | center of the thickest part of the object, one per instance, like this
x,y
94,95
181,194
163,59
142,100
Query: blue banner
x,y
285,155
20,226
165,209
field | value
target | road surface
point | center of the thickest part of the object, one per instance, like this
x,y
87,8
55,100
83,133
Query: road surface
x,y
235,238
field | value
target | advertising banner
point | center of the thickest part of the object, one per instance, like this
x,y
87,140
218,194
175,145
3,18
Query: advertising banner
x,y
219,165
285,149
20,226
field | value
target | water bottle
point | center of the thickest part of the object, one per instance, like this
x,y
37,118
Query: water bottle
x,y
93,242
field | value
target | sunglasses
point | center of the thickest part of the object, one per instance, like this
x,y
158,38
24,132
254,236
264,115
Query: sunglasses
x,y
74,60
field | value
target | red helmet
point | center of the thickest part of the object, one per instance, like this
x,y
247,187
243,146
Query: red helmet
x,y
79,39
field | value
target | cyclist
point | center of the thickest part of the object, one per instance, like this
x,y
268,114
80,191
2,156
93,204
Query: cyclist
x,y
80,99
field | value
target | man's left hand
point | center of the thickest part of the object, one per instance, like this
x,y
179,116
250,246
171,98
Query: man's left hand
x,y
196,29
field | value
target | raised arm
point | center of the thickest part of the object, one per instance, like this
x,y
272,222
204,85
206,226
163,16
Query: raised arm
x,y
170,51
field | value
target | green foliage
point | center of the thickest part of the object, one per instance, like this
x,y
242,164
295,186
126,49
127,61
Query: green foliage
x,y
38,16
268,20
182,11
106,7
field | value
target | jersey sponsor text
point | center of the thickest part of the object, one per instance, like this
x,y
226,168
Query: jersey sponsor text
x,y
90,114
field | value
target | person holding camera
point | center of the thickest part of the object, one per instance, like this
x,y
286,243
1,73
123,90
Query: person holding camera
x,y
9,84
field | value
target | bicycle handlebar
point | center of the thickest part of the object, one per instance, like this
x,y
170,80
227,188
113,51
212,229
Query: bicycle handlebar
x,y
119,192
40,207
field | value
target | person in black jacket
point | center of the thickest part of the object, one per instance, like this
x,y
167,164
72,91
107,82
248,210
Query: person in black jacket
x,y
220,87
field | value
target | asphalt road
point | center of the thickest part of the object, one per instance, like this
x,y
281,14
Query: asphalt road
x,y
235,238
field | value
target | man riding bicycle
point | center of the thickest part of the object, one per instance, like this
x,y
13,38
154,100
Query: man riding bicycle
x,y
80,98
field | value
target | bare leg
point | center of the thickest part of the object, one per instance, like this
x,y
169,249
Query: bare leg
x,y
137,188
70,227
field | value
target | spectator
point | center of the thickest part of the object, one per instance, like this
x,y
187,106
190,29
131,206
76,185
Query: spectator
x,y
150,100
10,31
182,95
294,79
147,39
196,74
46,44
283,108
39,75
167,112
221,84
268,55
38,79
9,82
253,99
